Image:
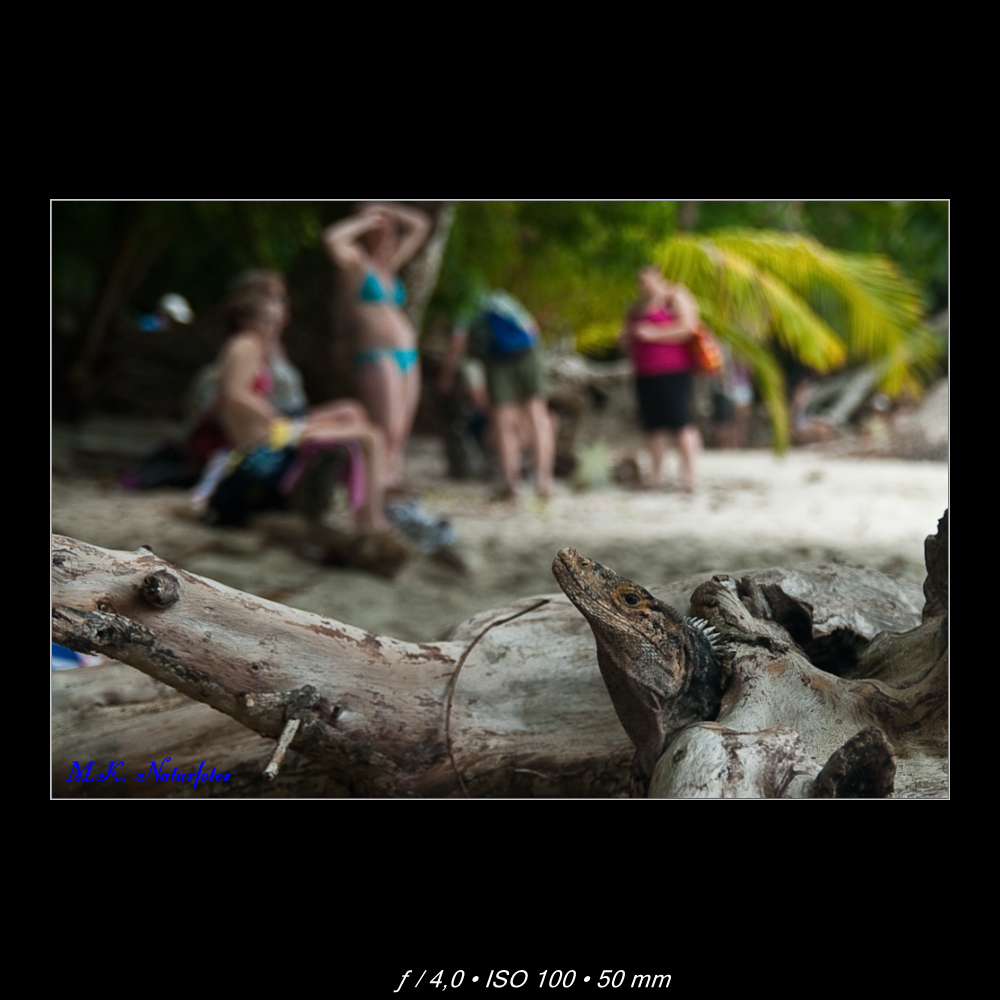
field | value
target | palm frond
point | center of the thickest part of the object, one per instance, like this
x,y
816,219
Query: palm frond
x,y
906,367
746,295
798,328
823,306
871,304
690,261
760,289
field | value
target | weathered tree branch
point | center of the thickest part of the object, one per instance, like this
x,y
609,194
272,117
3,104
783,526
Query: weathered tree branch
x,y
513,704
876,715
386,717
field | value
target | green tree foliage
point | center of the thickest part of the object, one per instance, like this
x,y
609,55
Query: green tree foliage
x,y
192,247
764,291
913,233
759,288
111,261
827,282
569,262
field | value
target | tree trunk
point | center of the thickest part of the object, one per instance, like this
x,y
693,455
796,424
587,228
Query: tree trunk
x,y
421,274
835,688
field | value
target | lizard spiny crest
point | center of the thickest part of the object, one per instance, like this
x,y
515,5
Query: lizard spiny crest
x,y
659,668
708,631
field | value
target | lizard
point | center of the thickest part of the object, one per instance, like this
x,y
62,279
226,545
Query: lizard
x,y
659,667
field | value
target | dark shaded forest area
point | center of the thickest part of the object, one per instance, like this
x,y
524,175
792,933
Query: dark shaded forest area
x,y
112,261
572,263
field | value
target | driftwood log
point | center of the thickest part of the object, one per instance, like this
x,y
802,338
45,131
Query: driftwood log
x,y
815,712
837,685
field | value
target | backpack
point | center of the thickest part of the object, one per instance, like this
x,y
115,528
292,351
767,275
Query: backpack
x,y
509,338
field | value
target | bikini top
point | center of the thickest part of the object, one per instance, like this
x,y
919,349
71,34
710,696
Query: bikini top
x,y
277,380
263,383
372,290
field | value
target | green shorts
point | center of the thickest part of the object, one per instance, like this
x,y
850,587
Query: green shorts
x,y
515,379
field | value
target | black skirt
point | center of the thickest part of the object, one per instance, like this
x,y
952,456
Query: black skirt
x,y
664,400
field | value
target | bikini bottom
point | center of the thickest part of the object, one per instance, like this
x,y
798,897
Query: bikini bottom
x,y
405,357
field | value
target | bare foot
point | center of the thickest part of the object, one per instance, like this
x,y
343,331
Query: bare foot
x,y
401,492
507,495
376,522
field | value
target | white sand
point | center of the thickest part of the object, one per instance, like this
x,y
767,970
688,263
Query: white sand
x,y
751,509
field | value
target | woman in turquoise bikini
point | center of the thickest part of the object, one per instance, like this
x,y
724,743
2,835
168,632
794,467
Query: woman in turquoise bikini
x,y
368,249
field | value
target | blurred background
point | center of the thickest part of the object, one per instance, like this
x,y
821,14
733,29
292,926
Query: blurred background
x,y
832,284
826,436
852,294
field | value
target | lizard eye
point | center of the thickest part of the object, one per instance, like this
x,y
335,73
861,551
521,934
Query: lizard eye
x,y
630,598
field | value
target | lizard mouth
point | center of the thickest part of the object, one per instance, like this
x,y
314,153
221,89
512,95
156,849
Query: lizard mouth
x,y
569,566
567,563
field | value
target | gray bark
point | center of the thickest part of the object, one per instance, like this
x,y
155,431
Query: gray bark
x,y
421,274
837,686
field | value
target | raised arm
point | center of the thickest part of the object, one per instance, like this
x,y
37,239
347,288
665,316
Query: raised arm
x,y
415,226
341,239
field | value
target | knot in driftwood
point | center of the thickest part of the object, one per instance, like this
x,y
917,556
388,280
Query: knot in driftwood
x,y
88,630
864,767
161,589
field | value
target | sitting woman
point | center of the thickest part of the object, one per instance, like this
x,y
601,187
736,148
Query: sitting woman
x,y
271,448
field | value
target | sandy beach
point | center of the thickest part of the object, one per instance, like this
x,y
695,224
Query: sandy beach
x,y
751,509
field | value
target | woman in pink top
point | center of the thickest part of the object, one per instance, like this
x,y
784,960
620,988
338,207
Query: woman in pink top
x,y
656,332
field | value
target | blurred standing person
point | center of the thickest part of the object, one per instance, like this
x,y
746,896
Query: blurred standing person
x,y
734,398
800,385
505,336
369,248
656,331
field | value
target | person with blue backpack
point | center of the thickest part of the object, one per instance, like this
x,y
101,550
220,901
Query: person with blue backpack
x,y
505,337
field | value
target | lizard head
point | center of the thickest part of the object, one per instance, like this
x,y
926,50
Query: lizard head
x,y
658,668
598,590
642,629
